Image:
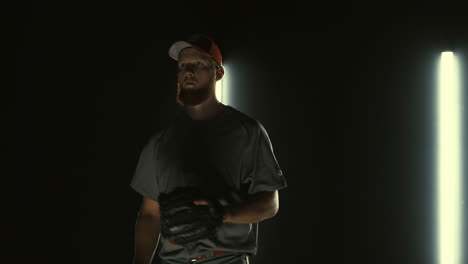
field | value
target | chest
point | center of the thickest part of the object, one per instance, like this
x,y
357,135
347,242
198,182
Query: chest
x,y
209,161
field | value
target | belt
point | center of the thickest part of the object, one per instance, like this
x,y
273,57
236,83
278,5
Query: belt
x,y
214,253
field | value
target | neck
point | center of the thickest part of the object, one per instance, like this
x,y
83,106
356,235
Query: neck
x,y
204,111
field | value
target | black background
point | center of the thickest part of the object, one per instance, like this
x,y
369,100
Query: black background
x,y
346,94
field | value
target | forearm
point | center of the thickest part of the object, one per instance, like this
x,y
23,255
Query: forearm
x,y
147,231
259,207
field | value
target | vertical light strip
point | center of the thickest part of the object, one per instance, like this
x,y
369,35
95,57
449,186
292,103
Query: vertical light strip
x,y
222,88
449,166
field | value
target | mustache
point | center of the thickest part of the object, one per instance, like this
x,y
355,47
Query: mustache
x,y
189,80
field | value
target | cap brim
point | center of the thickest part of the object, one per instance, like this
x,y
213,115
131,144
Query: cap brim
x,y
177,47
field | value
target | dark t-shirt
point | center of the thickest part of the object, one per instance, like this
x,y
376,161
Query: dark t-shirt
x,y
229,157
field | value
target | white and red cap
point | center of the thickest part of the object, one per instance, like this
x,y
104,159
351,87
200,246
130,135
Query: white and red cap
x,y
202,43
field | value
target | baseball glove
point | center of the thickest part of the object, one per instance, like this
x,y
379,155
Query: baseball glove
x,y
183,222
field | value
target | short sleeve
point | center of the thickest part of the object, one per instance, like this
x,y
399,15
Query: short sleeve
x,y
261,171
145,180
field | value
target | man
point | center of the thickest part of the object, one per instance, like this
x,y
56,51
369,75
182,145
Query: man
x,y
223,152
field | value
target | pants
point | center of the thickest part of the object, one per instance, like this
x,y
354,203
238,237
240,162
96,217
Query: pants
x,y
231,258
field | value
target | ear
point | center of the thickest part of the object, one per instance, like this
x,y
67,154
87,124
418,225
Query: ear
x,y
219,73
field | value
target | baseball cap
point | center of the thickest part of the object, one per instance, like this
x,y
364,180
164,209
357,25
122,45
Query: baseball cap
x,y
202,43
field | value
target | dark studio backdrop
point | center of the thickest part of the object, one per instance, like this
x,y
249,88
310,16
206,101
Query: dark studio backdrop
x,y
346,97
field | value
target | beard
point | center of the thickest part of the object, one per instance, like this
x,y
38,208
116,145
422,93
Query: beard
x,y
194,96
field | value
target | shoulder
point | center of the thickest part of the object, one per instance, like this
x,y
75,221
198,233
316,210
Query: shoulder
x,y
255,130
155,138
249,123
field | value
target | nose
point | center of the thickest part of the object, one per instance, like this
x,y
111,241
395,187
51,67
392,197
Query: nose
x,y
189,75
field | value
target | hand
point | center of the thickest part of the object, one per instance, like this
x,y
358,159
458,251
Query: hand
x,y
187,215
214,211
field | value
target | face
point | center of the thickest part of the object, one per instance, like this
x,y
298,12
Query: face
x,y
196,77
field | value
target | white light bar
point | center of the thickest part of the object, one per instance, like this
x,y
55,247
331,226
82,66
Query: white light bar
x,y
222,88
449,161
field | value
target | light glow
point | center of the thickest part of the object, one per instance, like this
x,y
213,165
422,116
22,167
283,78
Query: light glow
x,y
449,157
222,88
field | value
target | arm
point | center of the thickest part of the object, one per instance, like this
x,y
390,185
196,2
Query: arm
x,y
147,230
260,206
